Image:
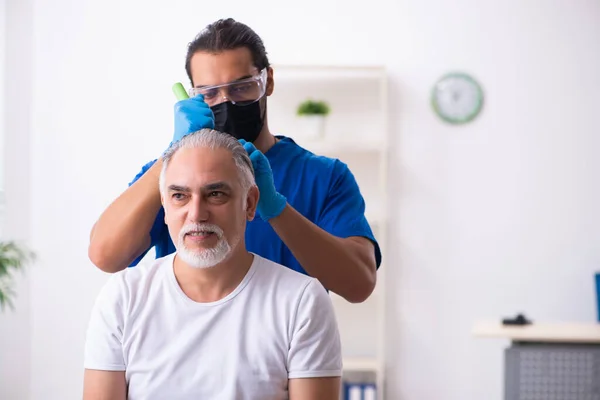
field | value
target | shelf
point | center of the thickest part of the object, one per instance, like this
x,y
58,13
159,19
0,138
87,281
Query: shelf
x,y
354,127
328,72
356,133
540,332
330,147
361,364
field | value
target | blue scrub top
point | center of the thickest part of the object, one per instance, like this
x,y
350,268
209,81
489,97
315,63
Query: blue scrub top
x,y
320,188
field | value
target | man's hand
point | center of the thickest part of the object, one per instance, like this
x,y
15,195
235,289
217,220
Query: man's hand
x,y
270,203
191,115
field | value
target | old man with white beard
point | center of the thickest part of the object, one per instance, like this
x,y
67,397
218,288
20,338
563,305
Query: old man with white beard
x,y
212,320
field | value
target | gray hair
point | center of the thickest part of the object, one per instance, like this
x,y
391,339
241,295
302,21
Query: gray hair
x,y
212,139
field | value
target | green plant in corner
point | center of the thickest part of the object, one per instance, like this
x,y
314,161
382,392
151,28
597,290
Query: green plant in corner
x,y
12,258
313,107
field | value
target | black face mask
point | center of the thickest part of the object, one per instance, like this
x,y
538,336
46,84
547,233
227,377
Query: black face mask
x,y
241,122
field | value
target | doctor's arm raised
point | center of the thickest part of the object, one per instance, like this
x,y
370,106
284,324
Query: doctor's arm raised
x,y
340,251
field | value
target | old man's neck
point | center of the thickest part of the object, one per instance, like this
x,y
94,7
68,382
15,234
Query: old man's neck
x,y
206,285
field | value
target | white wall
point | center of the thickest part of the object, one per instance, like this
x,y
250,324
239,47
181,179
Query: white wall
x,y
2,88
490,219
15,95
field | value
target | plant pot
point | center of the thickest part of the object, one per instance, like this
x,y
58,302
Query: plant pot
x,y
311,126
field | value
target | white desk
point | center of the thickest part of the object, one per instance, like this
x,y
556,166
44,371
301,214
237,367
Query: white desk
x,y
558,361
540,332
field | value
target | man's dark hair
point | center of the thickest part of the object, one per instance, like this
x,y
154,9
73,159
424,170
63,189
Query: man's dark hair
x,y
227,34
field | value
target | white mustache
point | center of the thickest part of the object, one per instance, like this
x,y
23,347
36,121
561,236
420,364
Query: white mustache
x,y
201,227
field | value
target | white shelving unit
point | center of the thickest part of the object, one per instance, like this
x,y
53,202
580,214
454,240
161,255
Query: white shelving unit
x,y
356,132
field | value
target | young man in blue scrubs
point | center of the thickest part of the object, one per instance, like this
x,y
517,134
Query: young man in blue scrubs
x,y
311,214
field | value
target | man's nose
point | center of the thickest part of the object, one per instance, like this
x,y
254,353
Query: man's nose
x,y
198,209
221,97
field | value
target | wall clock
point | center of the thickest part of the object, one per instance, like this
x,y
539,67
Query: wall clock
x,y
457,98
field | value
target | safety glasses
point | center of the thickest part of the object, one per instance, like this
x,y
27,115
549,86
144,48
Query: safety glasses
x,y
242,92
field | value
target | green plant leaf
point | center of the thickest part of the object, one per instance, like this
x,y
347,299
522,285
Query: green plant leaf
x,y
313,107
6,294
12,258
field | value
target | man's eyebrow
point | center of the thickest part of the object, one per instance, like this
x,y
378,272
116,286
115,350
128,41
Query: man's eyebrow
x,y
179,188
233,81
216,186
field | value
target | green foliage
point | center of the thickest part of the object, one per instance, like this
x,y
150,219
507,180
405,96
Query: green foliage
x,y
313,107
12,258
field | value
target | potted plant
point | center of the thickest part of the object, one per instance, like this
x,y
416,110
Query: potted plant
x,y
313,113
12,258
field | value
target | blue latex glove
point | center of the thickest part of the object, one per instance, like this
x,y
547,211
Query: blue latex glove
x,y
191,115
270,203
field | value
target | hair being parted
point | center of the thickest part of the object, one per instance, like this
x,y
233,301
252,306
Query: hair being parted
x,y
212,139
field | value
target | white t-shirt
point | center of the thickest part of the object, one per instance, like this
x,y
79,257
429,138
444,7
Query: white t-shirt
x,y
276,325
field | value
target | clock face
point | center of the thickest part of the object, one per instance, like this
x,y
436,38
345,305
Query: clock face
x,y
457,98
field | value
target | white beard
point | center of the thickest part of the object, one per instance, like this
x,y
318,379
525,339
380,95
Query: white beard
x,y
205,258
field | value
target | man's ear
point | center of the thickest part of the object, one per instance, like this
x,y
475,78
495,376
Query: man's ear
x,y
270,82
162,203
251,202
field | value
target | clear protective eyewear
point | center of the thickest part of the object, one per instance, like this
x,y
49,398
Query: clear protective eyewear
x,y
242,92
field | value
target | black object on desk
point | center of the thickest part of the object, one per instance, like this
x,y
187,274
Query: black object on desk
x,y
520,319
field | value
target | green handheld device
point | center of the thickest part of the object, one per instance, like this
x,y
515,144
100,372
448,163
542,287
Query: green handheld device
x,y
180,92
